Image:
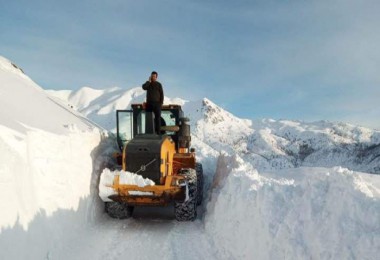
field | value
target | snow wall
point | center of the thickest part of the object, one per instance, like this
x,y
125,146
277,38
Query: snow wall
x,y
304,213
48,157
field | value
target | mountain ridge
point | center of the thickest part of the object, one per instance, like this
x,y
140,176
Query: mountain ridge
x,y
267,143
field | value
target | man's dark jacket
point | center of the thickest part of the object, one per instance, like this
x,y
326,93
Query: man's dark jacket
x,y
154,94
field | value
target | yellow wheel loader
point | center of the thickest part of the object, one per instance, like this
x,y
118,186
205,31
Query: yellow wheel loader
x,y
165,159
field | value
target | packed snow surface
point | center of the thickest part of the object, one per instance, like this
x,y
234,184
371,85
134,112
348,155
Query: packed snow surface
x,y
274,189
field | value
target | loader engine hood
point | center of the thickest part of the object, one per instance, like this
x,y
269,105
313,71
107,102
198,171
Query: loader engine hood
x,y
143,156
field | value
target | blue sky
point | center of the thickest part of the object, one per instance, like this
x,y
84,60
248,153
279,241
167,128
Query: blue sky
x,y
306,60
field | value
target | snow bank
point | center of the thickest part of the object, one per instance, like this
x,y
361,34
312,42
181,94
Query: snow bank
x,y
45,149
48,168
125,177
304,213
43,171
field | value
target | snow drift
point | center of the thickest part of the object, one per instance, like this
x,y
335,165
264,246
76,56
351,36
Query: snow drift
x,y
275,188
46,166
322,213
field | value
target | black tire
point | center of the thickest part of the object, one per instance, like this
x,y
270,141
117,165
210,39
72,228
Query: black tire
x,y
187,211
118,210
200,182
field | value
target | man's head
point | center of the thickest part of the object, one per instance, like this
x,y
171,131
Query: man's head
x,y
153,76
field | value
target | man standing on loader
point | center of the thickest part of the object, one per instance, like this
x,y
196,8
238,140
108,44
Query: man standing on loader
x,y
154,99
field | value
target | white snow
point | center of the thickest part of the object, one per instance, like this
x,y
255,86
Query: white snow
x,y
322,213
125,177
274,189
40,142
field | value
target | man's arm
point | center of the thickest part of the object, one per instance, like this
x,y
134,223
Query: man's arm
x,y
146,85
161,95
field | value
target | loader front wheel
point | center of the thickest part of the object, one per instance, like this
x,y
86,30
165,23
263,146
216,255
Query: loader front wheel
x,y
187,210
199,170
118,210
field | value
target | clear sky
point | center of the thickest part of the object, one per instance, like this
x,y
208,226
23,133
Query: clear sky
x,y
306,60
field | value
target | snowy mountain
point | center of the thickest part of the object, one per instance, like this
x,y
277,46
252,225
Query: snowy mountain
x,y
100,105
275,189
267,144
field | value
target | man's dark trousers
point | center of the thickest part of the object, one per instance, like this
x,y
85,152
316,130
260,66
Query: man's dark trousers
x,y
156,109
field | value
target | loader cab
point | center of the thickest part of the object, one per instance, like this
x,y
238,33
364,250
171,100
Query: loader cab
x,y
130,123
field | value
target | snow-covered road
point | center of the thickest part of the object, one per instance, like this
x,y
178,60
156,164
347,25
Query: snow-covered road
x,y
142,238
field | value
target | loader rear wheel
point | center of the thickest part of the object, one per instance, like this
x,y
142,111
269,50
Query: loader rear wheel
x,y
187,210
119,210
199,170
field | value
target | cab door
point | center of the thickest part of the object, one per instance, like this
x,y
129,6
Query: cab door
x,y
124,127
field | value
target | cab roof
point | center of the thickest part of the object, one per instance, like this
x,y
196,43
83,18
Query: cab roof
x,y
163,107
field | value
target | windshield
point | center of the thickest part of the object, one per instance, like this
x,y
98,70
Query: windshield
x,y
167,119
